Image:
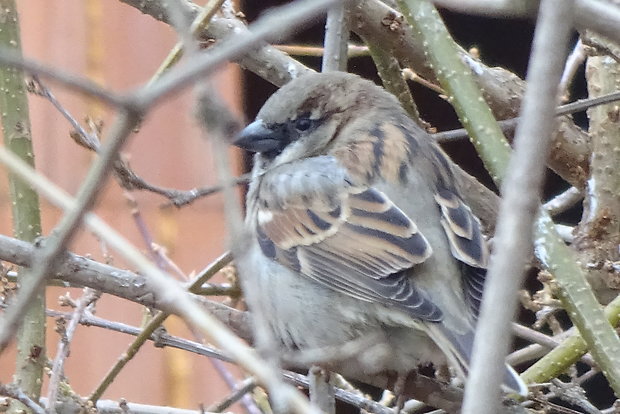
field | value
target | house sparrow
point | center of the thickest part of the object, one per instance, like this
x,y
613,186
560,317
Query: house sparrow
x,y
359,231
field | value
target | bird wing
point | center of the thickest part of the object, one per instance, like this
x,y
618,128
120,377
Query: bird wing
x,y
464,235
352,239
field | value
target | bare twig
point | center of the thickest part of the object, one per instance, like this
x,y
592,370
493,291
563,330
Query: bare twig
x,y
267,62
508,125
16,393
146,234
497,8
521,192
239,392
601,16
128,178
300,50
122,407
542,344
199,23
73,82
87,140
80,271
574,61
336,38
563,201
63,348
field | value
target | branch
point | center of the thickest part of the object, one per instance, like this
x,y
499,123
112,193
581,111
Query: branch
x,y
568,352
574,291
128,178
602,17
81,271
509,125
26,215
72,82
66,337
598,234
266,62
336,38
16,393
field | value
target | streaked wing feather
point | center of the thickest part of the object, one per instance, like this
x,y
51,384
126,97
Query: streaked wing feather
x,y
466,243
359,246
462,229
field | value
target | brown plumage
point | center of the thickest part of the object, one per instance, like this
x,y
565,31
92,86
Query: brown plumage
x,y
360,229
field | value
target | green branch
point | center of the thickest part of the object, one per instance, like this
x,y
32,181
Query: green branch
x,y
25,205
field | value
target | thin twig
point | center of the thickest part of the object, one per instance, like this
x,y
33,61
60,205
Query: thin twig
x,y
544,342
336,38
80,271
145,233
122,407
63,348
128,178
246,400
200,22
16,393
316,51
563,201
87,140
574,61
238,392
508,125
73,82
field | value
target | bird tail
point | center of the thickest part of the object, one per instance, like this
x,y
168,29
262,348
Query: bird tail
x,y
458,350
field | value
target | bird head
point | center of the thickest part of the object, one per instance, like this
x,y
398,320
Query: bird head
x,y
304,117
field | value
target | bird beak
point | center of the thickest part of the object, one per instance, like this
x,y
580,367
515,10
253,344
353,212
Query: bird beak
x,y
258,137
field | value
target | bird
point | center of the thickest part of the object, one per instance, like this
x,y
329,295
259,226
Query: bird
x,y
359,232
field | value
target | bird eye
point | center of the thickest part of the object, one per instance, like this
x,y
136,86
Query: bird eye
x,y
302,124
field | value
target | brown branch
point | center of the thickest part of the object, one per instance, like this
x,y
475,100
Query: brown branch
x,y
80,271
598,235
